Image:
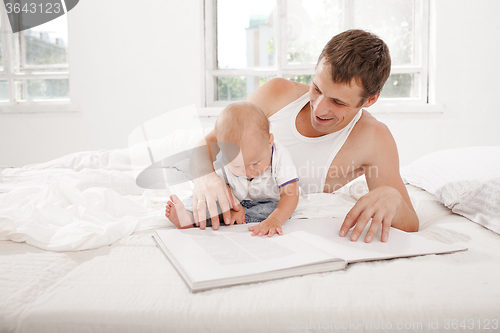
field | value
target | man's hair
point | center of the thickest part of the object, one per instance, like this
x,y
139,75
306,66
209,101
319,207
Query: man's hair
x,y
241,121
359,55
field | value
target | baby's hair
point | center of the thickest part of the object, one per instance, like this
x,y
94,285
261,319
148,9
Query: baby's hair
x,y
241,121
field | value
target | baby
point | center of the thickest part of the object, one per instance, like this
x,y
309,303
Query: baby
x,y
259,171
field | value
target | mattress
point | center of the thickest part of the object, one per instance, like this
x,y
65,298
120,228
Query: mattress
x,y
130,286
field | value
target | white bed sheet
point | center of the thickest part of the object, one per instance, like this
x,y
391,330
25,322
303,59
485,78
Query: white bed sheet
x,y
130,286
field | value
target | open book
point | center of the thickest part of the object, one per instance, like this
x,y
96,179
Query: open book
x,y
209,259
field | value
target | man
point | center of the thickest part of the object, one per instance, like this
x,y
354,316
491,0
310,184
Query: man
x,y
328,114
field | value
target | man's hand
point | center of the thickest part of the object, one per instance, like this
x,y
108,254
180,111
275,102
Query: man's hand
x,y
268,226
208,190
380,205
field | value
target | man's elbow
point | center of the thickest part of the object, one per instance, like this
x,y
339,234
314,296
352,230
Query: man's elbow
x,y
414,226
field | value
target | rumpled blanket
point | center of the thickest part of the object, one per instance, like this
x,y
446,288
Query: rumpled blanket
x,y
61,217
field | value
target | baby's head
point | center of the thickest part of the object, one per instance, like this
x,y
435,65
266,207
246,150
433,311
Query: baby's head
x,y
245,125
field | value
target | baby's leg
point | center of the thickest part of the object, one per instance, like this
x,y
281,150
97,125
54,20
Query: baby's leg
x,y
258,210
177,213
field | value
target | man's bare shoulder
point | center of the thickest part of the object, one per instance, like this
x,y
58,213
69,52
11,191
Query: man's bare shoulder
x,y
371,128
276,94
374,136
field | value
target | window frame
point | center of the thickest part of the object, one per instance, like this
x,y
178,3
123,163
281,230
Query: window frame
x,y
11,55
283,69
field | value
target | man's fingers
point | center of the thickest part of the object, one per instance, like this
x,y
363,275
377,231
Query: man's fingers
x,y
235,204
201,211
361,223
375,225
386,226
358,229
213,212
349,222
226,211
195,212
280,231
214,218
352,217
224,204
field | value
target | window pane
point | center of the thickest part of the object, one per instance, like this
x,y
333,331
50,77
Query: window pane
x,y
238,88
245,34
310,25
391,20
46,44
49,89
306,79
4,90
401,85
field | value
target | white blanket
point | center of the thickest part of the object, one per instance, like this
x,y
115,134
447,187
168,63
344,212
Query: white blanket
x,y
76,202
104,168
60,217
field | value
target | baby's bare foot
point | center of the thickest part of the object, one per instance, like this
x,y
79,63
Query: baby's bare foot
x,y
177,213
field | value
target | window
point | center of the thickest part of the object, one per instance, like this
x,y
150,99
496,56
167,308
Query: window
x,y
34,67
250,42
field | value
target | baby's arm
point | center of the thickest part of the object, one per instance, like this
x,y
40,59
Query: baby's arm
x,y
289,197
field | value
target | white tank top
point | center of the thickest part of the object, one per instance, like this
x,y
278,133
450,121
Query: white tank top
x,y
312,156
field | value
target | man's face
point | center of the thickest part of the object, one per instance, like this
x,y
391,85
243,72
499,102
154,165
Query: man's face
x,y
333,105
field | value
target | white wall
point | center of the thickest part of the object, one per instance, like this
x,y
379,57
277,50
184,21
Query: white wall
x,y
132,62
129,62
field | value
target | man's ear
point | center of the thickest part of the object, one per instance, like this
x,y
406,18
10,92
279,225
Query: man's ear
x,y
371,100
271,139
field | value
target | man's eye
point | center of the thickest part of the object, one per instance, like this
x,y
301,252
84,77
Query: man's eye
x,y
334,101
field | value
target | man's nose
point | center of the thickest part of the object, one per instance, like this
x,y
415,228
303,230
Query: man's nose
x,y
320,107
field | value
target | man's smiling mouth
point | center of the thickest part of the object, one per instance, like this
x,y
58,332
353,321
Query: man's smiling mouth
x,y
323,119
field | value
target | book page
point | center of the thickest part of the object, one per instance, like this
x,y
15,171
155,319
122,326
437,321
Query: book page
x,y
239,248
324,234
232,251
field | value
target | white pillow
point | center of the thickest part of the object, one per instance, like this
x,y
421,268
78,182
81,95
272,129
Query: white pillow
x,y
466,180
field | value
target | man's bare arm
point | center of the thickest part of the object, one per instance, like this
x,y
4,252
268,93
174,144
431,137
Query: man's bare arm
x,y
208,187
201,162
388,203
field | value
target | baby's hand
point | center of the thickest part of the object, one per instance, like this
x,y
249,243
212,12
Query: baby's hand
x,y
237,217
268,226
